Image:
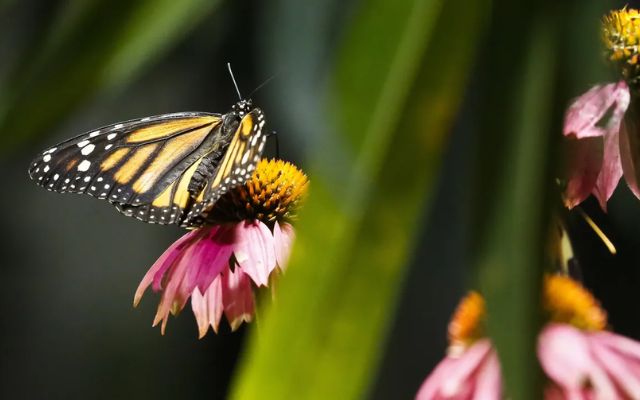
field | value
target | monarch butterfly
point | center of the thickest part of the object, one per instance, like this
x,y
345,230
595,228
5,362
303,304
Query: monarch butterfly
x,y
166,169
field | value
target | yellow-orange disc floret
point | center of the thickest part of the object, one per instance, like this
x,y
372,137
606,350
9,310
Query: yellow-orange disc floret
x,y
621,36
273,193
467,324
566,301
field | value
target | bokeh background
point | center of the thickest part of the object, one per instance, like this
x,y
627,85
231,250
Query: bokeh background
x,y
70,264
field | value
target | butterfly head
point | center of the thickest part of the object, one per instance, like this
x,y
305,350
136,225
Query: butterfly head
x,y
243,107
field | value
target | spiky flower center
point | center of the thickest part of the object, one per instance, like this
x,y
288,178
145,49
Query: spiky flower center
x,y
564,301
621,36
273,193
467,324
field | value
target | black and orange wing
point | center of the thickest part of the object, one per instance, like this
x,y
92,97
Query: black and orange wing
x,y
142,166
235,168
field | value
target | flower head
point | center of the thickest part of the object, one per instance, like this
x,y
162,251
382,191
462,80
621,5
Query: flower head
x,y
621,37
272,194
580,359
219,265
601,125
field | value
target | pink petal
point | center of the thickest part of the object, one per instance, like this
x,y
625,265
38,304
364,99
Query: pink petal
x,y
431,386
564,354
488,380
589,109
208,308
630,348
451,378
170,296
611,171
255,251
619,368
283,236
160,267
206,258
458,379
237,298
584,159
630,149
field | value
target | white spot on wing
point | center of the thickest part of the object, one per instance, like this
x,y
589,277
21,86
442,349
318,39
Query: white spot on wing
x,y
84,165
46,168
46,158
55,177
111,136
94,134
87,149
83,143
107,147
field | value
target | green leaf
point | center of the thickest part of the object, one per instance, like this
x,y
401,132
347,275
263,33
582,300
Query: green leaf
x,y
520,126
399,78
90,46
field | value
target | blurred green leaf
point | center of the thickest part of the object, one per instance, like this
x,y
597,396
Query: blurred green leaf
x,y
519,128
400,76
91,45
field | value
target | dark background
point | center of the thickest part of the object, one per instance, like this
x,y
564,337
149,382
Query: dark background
x,y
70,265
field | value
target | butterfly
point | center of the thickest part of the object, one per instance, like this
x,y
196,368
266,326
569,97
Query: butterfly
x,y
165,169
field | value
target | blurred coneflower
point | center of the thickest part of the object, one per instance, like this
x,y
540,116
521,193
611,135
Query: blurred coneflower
x,y
219,265
601,125
580,359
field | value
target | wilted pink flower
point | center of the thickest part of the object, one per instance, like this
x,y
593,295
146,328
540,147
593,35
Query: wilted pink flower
x,y
602,124
219,265
579,358
598,151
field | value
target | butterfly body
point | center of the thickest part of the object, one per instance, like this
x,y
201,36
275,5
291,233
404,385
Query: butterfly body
x,y
167,169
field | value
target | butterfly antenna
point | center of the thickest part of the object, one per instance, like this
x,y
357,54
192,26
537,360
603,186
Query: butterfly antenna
x,y
234,81
262,84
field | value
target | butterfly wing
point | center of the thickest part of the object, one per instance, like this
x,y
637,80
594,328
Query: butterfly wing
x,y
235,168
146,161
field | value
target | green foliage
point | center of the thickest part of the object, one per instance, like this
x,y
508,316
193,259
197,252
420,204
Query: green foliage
x,y
89,46
524,93
399,79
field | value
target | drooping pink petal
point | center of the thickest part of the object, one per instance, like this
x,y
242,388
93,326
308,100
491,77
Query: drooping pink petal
x,y
488,380
564,354
468,363
452,377
621,369
584,114
611,171
255,251
208,308
584,162
237,297
630,148
205,259
170,296
630,348
283,236
160,267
